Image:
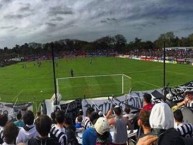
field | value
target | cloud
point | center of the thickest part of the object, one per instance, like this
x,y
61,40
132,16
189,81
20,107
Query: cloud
x,y
25,7
59,10
46,20
51,24
16,16
109,20
5,1
57,19
6,27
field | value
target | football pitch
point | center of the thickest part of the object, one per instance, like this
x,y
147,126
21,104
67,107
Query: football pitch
x,y
29,82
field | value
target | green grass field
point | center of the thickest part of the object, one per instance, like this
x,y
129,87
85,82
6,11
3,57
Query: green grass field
x,y
35,83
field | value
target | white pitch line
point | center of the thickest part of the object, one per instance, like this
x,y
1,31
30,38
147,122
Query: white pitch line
x,y
178,73
17,95
144,71
150,84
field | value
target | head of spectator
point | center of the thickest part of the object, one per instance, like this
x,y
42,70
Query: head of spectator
x,y
146,98
188,93
78,123
43,125
147,105
38,113
100,113
143,121
10,133
53,117
89,111
68,123
21,143
161,117
117,110
127,109
103,129
89,135
3,119
178,116
79,119
19,116
162,123
188,96
80,112
59,117
19,122
28,117
57,108
93,117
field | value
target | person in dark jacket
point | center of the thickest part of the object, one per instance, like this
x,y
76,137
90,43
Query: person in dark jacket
x,y
43,125
70,131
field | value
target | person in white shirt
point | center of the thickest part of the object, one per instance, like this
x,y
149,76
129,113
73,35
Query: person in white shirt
x,y
28,131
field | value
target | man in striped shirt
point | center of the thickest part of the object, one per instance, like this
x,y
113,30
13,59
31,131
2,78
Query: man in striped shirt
x,y
184,128
86,122
57,131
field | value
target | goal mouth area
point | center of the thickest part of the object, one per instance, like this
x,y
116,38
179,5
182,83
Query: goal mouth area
x,y
93,86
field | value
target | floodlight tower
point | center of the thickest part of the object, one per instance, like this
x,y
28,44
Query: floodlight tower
x,y
54,74
164,72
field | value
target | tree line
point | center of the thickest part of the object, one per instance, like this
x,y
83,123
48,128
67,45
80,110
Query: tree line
x,y
108,44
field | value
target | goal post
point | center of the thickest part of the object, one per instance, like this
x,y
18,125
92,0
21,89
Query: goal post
x,y
93,86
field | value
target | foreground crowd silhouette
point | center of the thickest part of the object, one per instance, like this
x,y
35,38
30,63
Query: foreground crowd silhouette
x,y
155,124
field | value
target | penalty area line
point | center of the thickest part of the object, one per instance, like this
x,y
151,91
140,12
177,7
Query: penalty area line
x,y
16,97
150,84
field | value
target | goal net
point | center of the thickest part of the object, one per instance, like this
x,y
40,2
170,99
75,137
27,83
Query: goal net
x,y
93,86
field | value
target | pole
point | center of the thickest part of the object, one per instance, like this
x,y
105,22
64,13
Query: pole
x,y
122,84
164,71
54,74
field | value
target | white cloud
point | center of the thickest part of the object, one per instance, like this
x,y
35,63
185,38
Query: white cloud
x,y
46,20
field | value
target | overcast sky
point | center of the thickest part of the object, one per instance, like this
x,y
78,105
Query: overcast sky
x,y
24,21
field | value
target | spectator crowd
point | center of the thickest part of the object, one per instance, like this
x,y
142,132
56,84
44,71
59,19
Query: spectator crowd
x,y
155,124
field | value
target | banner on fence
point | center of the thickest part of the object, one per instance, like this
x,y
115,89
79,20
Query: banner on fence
x,y
133,99
12,109
71,109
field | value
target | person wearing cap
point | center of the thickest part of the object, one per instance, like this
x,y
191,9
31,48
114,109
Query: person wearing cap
x,y
103,132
